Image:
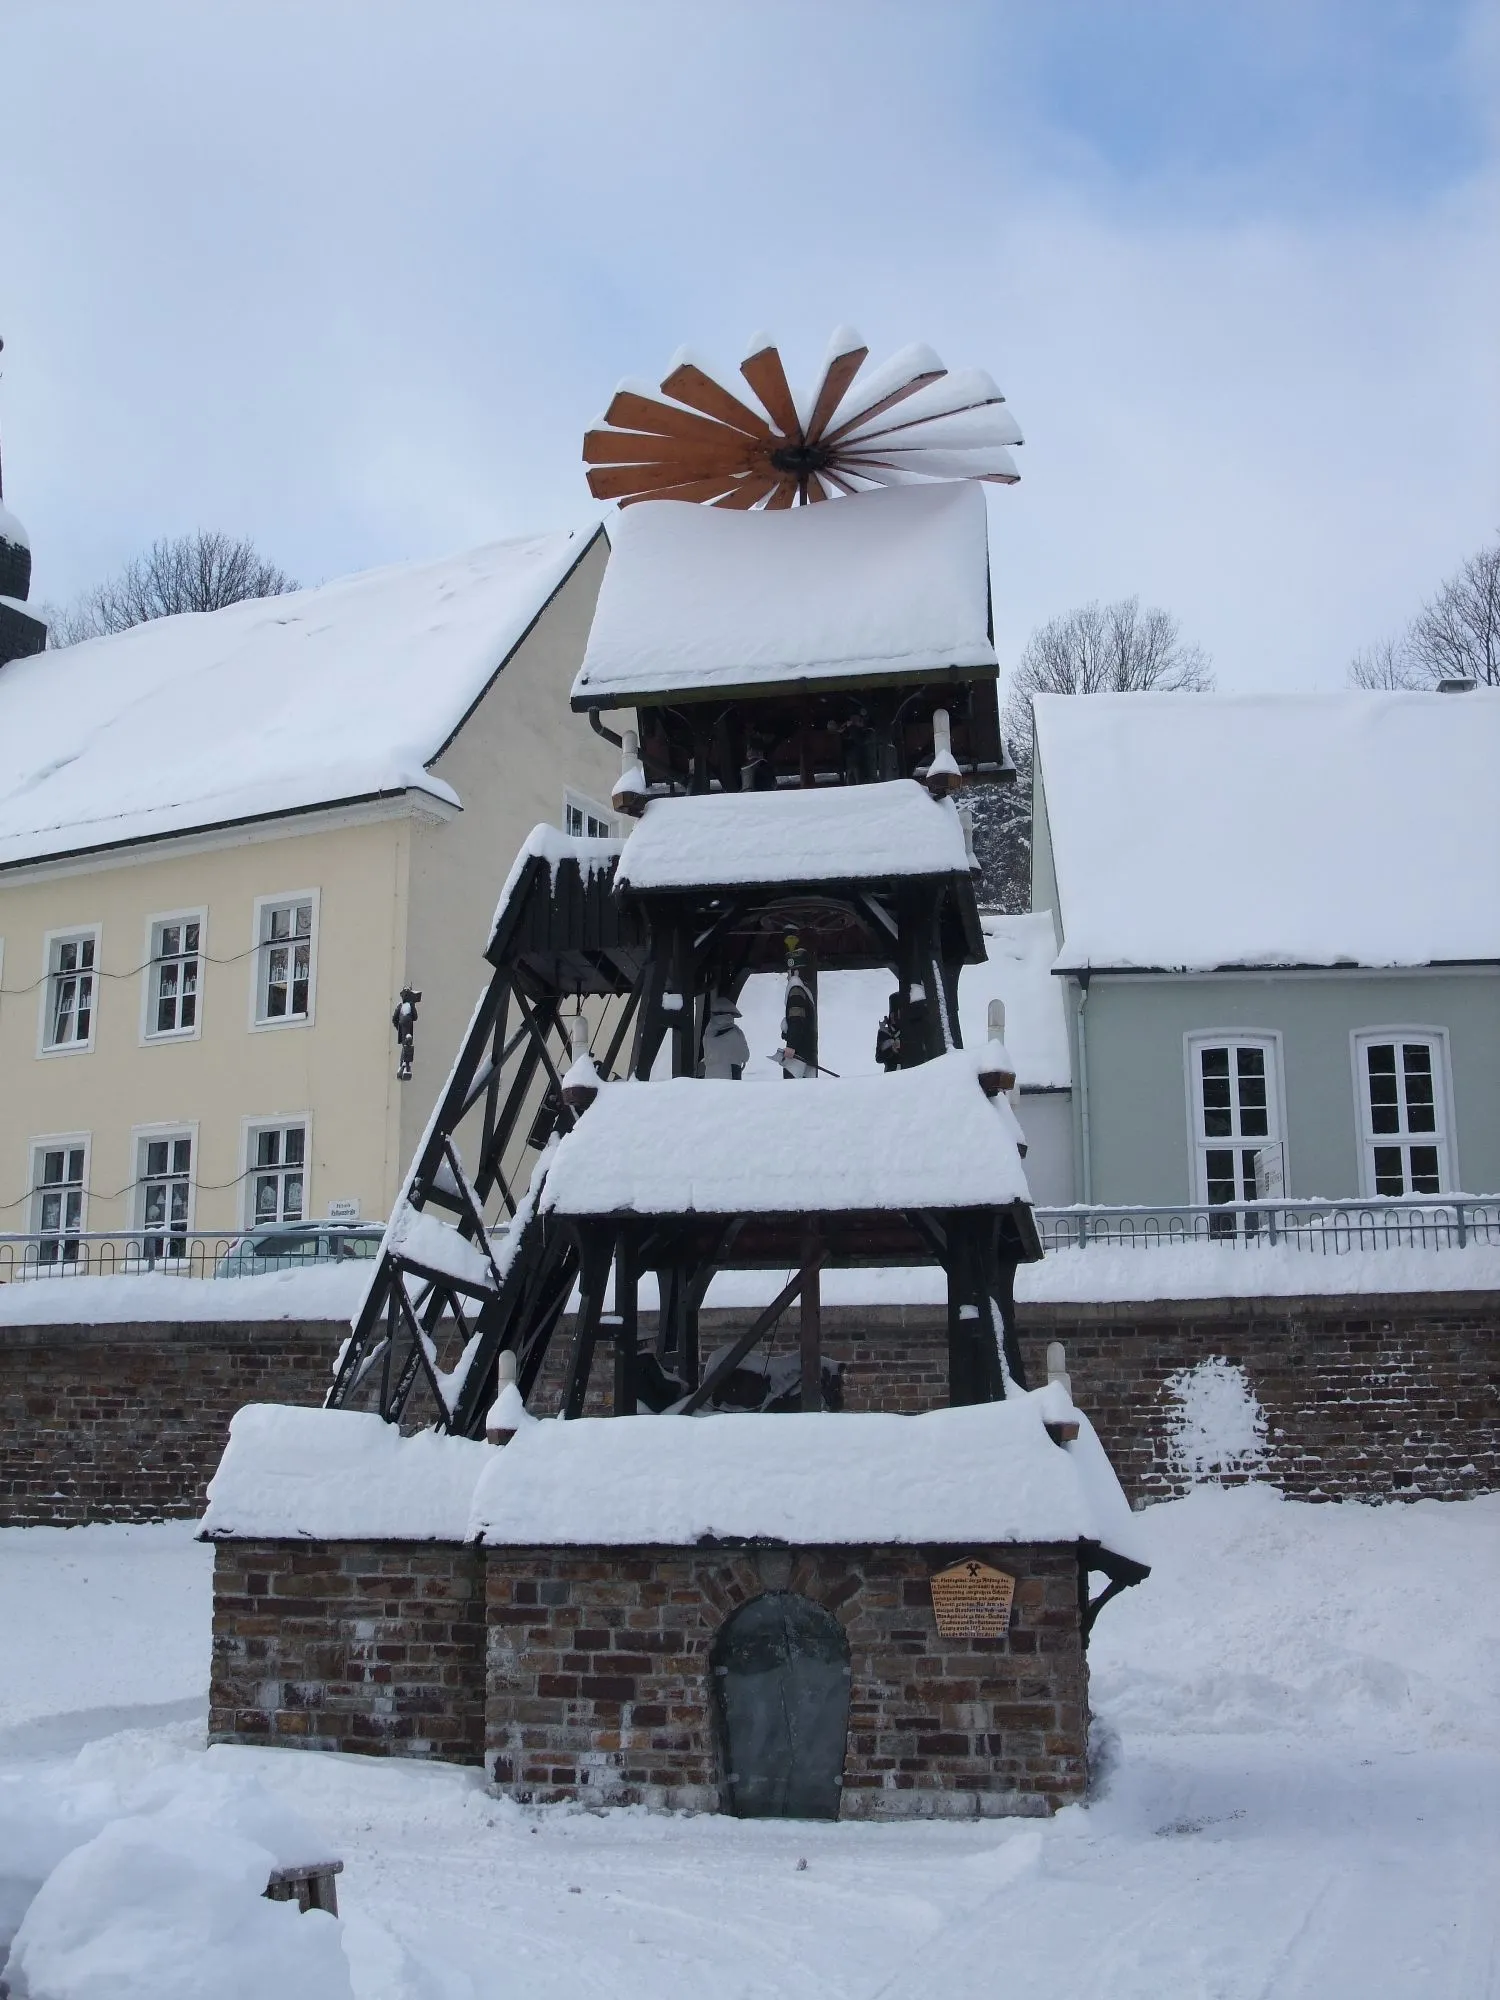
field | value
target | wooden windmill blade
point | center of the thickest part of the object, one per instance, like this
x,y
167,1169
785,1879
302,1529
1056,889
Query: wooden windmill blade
x,y
847,355
687,489
688,383
630,410
783,496
682,460
757,486
902,376
764,372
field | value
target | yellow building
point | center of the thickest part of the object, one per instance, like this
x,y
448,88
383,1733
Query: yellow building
x,y
228,841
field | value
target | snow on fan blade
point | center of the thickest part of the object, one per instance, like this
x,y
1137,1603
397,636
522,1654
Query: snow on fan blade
x,y
867,390
965,430
959,389
758,343
992,463
843,340
692,357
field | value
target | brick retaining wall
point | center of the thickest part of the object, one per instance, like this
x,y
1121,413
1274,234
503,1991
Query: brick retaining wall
x,y
1365,1397
127,1422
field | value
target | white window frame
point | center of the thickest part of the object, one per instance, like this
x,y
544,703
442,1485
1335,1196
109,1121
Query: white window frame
x,y
250,1131
1270,1041
140,1137
68,934
149,1031
1445,1138
54,1142
261,1023
580,802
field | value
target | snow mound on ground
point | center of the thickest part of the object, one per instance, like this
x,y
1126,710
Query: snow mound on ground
x,y
172,1907
1218,1425
1270,1615
72,1882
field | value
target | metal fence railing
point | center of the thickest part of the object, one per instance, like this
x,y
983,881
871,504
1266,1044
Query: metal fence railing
x,y
1329,1227
175,1253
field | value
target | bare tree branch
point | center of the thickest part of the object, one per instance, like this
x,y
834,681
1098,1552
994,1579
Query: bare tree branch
x,y
1097,649
201,572
1454,637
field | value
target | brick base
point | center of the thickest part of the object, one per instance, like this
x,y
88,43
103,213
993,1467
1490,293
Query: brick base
x,y
595,1682
599,1686
368,1646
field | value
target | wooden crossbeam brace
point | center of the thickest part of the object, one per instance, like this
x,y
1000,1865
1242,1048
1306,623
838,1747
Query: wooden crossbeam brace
x,y
756,1331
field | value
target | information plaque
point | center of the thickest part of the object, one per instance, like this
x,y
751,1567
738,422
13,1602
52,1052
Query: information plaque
x,y
972,1601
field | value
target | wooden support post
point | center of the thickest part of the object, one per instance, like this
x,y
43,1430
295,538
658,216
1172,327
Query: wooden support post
x,y
810,1341
626,1328
966,1384
593,1270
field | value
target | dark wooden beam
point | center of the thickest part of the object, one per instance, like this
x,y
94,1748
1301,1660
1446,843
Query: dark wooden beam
x,y
757,1330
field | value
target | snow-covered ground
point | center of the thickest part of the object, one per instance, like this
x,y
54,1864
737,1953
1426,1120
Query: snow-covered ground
x,y
1300,1796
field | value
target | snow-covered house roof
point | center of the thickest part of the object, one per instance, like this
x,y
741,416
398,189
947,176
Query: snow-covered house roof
x,y
919,1138
341,693
1017,969
989,1473
702,599
856,833
1194,831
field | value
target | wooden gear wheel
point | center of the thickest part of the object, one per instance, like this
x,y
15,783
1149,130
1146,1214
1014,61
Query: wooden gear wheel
x,y
910,421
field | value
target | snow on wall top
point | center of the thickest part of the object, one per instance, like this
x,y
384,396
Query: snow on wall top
x,y
919,1138
1197,830
1018,971
340,1475
269,706
858,832
702,597
989,1473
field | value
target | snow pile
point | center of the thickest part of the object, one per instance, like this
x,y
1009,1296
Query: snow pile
x,y
1138,784
148,1883
1266,1615
302,1291
340,1475
990,1473
860,833
353,688
919,1138
1217,1425
702,597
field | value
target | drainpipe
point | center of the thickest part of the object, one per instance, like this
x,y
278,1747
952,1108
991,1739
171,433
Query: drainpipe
x,y
1086,1161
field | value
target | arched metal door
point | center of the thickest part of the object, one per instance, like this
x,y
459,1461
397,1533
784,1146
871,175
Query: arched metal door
x,y
781,1679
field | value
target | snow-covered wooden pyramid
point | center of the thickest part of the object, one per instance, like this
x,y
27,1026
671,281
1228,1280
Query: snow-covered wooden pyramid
x,y
799,693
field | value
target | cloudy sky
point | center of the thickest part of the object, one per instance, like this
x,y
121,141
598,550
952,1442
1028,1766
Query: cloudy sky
x,y
353,279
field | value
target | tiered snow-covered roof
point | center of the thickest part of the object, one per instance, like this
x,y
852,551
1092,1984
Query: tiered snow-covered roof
x,y
881,586
922,1138
989,1473
341,693
851,833
1194,831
